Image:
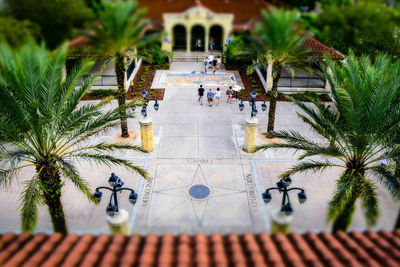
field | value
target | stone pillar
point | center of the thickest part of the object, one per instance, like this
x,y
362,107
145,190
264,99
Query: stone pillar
x,y
250,134
281,223
146,133
119,223
206,38
188,39
269,77
327,85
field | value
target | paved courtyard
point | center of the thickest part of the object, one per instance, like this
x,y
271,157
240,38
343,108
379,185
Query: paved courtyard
x,y
201,180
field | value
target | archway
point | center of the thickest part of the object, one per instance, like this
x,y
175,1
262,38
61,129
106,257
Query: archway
x,y
197,38
216,34
179,37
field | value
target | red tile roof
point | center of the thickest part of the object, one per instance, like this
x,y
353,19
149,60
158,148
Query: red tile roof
x,y
242,10
317,46
300,250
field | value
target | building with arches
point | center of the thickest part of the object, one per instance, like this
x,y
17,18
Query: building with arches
x,y
190,25
193,25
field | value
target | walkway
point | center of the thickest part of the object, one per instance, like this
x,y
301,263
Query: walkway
x,y
200,145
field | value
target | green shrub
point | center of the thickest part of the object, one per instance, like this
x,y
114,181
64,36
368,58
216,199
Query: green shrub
x,y
325,97
102,92
311,94
280,94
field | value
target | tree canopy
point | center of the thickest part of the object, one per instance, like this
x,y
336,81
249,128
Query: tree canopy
x,y
15,32
364,28
46,129
55,19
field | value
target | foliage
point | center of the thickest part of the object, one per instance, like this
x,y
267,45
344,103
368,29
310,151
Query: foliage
x,y
46,128
232,53
278,41
153,54
15,32
102,93
365,29
304,5
118,33
280,95
356,132
56,19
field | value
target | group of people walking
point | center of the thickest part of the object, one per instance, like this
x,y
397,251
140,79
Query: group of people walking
x,y
212,62
217,94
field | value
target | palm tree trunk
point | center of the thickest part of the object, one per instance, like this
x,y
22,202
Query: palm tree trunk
x,y
274,96
343,221
397,174
51,182
397,223
120,73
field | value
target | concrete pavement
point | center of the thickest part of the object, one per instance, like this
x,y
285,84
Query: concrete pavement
x,y
199,145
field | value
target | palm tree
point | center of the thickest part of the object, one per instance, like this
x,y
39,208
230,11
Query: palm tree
x,y
365,114
118,32
278,41
42,127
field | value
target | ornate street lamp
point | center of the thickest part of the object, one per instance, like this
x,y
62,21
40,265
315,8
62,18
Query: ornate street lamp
x,y
282,187
116,186
252,103
144,108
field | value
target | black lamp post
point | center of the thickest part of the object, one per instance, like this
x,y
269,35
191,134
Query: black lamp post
x,y
283,185
252,102
144,108
116,186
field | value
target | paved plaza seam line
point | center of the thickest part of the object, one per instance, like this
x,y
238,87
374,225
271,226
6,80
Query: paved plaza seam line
x,y
258,188
139,192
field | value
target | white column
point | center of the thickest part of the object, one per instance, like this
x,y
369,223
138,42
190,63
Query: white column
x,y
188,39
206,38
327,85
119,223
281,223
250,134
269,77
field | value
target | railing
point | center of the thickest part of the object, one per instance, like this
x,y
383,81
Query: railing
x,y
131,68
302,80
105,80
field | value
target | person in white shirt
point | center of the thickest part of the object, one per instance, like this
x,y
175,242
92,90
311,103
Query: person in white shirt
x,y
217,95
210,60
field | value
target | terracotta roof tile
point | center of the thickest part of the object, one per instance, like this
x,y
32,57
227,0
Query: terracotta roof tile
x,y
310,249
318,47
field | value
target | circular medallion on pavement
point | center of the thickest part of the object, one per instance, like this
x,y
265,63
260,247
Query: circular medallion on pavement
x,y
199,191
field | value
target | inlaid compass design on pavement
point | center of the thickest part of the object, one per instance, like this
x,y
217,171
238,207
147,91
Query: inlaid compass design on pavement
x,y
199,192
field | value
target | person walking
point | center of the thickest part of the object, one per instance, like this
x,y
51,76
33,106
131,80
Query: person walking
x,y
217,96
201,94
219,60
210,96
210,60
211,44
229,93
205,64
214,64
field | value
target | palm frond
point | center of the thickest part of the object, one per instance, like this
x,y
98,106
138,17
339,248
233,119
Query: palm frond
x,y
344,196
387,178
31,196
369,202
110,160
310,165
69,171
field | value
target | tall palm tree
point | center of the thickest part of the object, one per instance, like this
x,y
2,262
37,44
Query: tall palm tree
x,y
365,113
42,127
118,32
278,41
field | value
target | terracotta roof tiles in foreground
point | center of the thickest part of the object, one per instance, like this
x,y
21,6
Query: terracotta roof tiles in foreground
x,y
316,250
